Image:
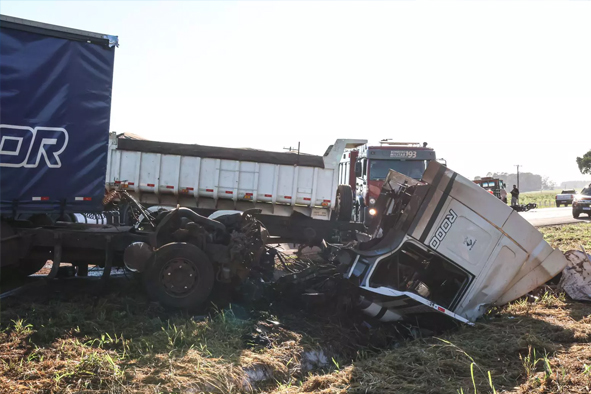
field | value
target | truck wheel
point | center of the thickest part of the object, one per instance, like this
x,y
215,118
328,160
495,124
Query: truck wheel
x,y
576,214
344,203
557,205
180,276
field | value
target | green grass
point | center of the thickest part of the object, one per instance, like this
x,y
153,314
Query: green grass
x,y
544,199
568,237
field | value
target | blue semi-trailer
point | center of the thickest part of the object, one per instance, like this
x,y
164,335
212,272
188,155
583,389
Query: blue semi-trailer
x,y
55,105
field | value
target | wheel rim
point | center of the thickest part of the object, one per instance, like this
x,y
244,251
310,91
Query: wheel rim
x,y
179,277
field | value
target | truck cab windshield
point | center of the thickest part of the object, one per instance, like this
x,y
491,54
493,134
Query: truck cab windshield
x,y
378,169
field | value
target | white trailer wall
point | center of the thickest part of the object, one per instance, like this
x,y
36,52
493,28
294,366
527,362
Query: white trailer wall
x,y
201,182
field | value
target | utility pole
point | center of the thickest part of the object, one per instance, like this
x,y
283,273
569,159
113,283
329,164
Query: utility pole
x,y
290,149
517,165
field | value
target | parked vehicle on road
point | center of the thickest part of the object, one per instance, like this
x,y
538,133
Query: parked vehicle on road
x,y
582,203
565,197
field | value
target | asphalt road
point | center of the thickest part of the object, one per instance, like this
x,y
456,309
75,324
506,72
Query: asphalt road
x,y
553,216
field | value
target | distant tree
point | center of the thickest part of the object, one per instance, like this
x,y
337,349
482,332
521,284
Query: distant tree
x,y
584,163
574,184
548,184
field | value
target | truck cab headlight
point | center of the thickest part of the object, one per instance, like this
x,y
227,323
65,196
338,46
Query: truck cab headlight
x,y
373,211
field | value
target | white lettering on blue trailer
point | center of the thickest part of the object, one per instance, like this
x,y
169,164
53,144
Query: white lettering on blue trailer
x,y
23,146
443,229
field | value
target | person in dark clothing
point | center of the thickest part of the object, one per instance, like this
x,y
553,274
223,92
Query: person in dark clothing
x,y
515,196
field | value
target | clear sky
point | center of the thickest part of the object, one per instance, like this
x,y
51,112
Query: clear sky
x,y
487,84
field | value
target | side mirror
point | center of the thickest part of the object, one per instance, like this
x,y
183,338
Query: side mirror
x,y
358,171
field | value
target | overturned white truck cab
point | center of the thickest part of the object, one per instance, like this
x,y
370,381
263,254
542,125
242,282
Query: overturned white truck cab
x,y
445,245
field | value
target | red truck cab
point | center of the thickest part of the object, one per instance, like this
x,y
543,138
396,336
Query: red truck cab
x,y
364,170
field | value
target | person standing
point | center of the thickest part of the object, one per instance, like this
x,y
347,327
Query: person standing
x,y
515,196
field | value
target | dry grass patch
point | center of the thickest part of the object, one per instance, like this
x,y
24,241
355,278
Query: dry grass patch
x,y
69,341
525,347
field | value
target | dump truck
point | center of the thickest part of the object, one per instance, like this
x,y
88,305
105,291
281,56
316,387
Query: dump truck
x,y
362,171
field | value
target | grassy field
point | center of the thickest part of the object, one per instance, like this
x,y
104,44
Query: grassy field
x,y
69,338
544,199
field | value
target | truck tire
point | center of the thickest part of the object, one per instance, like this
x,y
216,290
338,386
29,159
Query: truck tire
x,y
344,203
180,276
557,205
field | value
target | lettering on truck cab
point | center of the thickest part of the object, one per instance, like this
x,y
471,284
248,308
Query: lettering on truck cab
x,y
23,146
443,229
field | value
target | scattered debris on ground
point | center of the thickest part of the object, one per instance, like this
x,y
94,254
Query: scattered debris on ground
x,y
576,277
